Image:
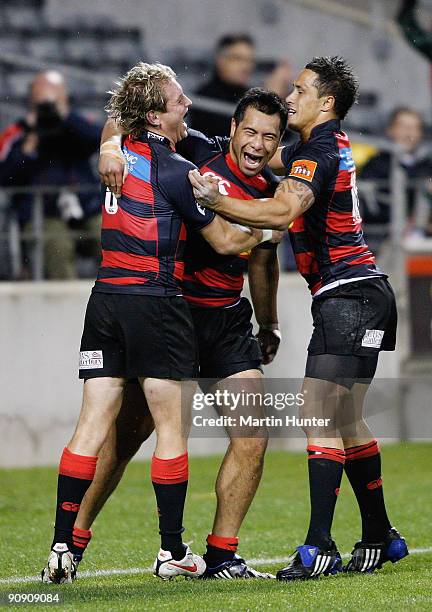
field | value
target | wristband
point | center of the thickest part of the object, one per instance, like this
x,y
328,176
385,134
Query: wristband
x,y
112,148
267,234
274,327
115,139
275,332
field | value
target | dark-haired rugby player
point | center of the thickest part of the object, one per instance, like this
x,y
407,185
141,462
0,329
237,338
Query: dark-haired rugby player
x,y
353,309
222,318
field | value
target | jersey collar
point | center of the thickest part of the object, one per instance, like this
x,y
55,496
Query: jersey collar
x,y
333,125
258,181
149,136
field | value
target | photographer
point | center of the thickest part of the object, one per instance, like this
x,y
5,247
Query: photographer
x,y
405,129
51,146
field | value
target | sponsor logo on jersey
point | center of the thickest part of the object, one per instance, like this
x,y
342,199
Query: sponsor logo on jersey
x,y
223,184
304,169
373,338
130,158
346,161
138,165
90,360
155,136
200,208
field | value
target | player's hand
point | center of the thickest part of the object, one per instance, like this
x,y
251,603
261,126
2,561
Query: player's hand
x,y
276,236
112,171
205,188
269,340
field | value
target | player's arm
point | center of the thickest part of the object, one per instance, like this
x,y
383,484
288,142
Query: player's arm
x,y
263,273
291,199
112,164
224,237
227,239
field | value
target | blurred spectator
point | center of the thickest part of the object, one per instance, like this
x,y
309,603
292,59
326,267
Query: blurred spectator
x,y
415,34
232,74
51,146
405,129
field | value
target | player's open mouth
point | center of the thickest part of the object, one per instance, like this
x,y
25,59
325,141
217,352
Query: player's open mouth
x,y
252,161
291,112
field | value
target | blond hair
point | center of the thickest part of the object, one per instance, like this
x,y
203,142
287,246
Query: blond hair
x,y
138,92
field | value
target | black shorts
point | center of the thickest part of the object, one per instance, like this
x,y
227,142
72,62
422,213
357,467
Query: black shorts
x,y
226,344
358,318
138,336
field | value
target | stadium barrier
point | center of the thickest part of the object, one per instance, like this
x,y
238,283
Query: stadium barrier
x,y
41,324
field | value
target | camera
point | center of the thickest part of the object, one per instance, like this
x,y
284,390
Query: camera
x,y
48,119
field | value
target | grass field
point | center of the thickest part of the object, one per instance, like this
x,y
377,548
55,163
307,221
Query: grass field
x,y
125,538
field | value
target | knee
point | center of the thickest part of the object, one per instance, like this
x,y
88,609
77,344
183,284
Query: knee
x,y
250,450
305,415
131,433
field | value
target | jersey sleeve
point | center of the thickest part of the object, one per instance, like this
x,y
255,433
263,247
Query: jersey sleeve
x,y
179,191
198,148
312,165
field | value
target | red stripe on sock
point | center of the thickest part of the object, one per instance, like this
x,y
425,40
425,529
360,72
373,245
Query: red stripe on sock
x,y
81,537
363,451
324,452
354,449
77,466
222,542
170,471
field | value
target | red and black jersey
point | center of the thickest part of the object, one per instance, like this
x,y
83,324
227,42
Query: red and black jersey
x,y
328,238
210,279
144,231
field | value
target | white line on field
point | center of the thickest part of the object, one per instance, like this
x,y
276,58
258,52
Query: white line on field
x,y
148,570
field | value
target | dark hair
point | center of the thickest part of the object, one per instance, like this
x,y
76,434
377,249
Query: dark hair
x,y
232,39
267,102
335,78
399,110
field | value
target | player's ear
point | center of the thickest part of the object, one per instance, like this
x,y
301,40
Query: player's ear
x,y
233,127
328,103
152,118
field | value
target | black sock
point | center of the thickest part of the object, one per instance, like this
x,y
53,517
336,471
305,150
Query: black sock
x,y
75,476
170,481
325,475
220,549
215,556
363,468
170,501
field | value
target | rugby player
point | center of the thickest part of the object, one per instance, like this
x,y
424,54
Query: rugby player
x,y
228,350
137,323
353,309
